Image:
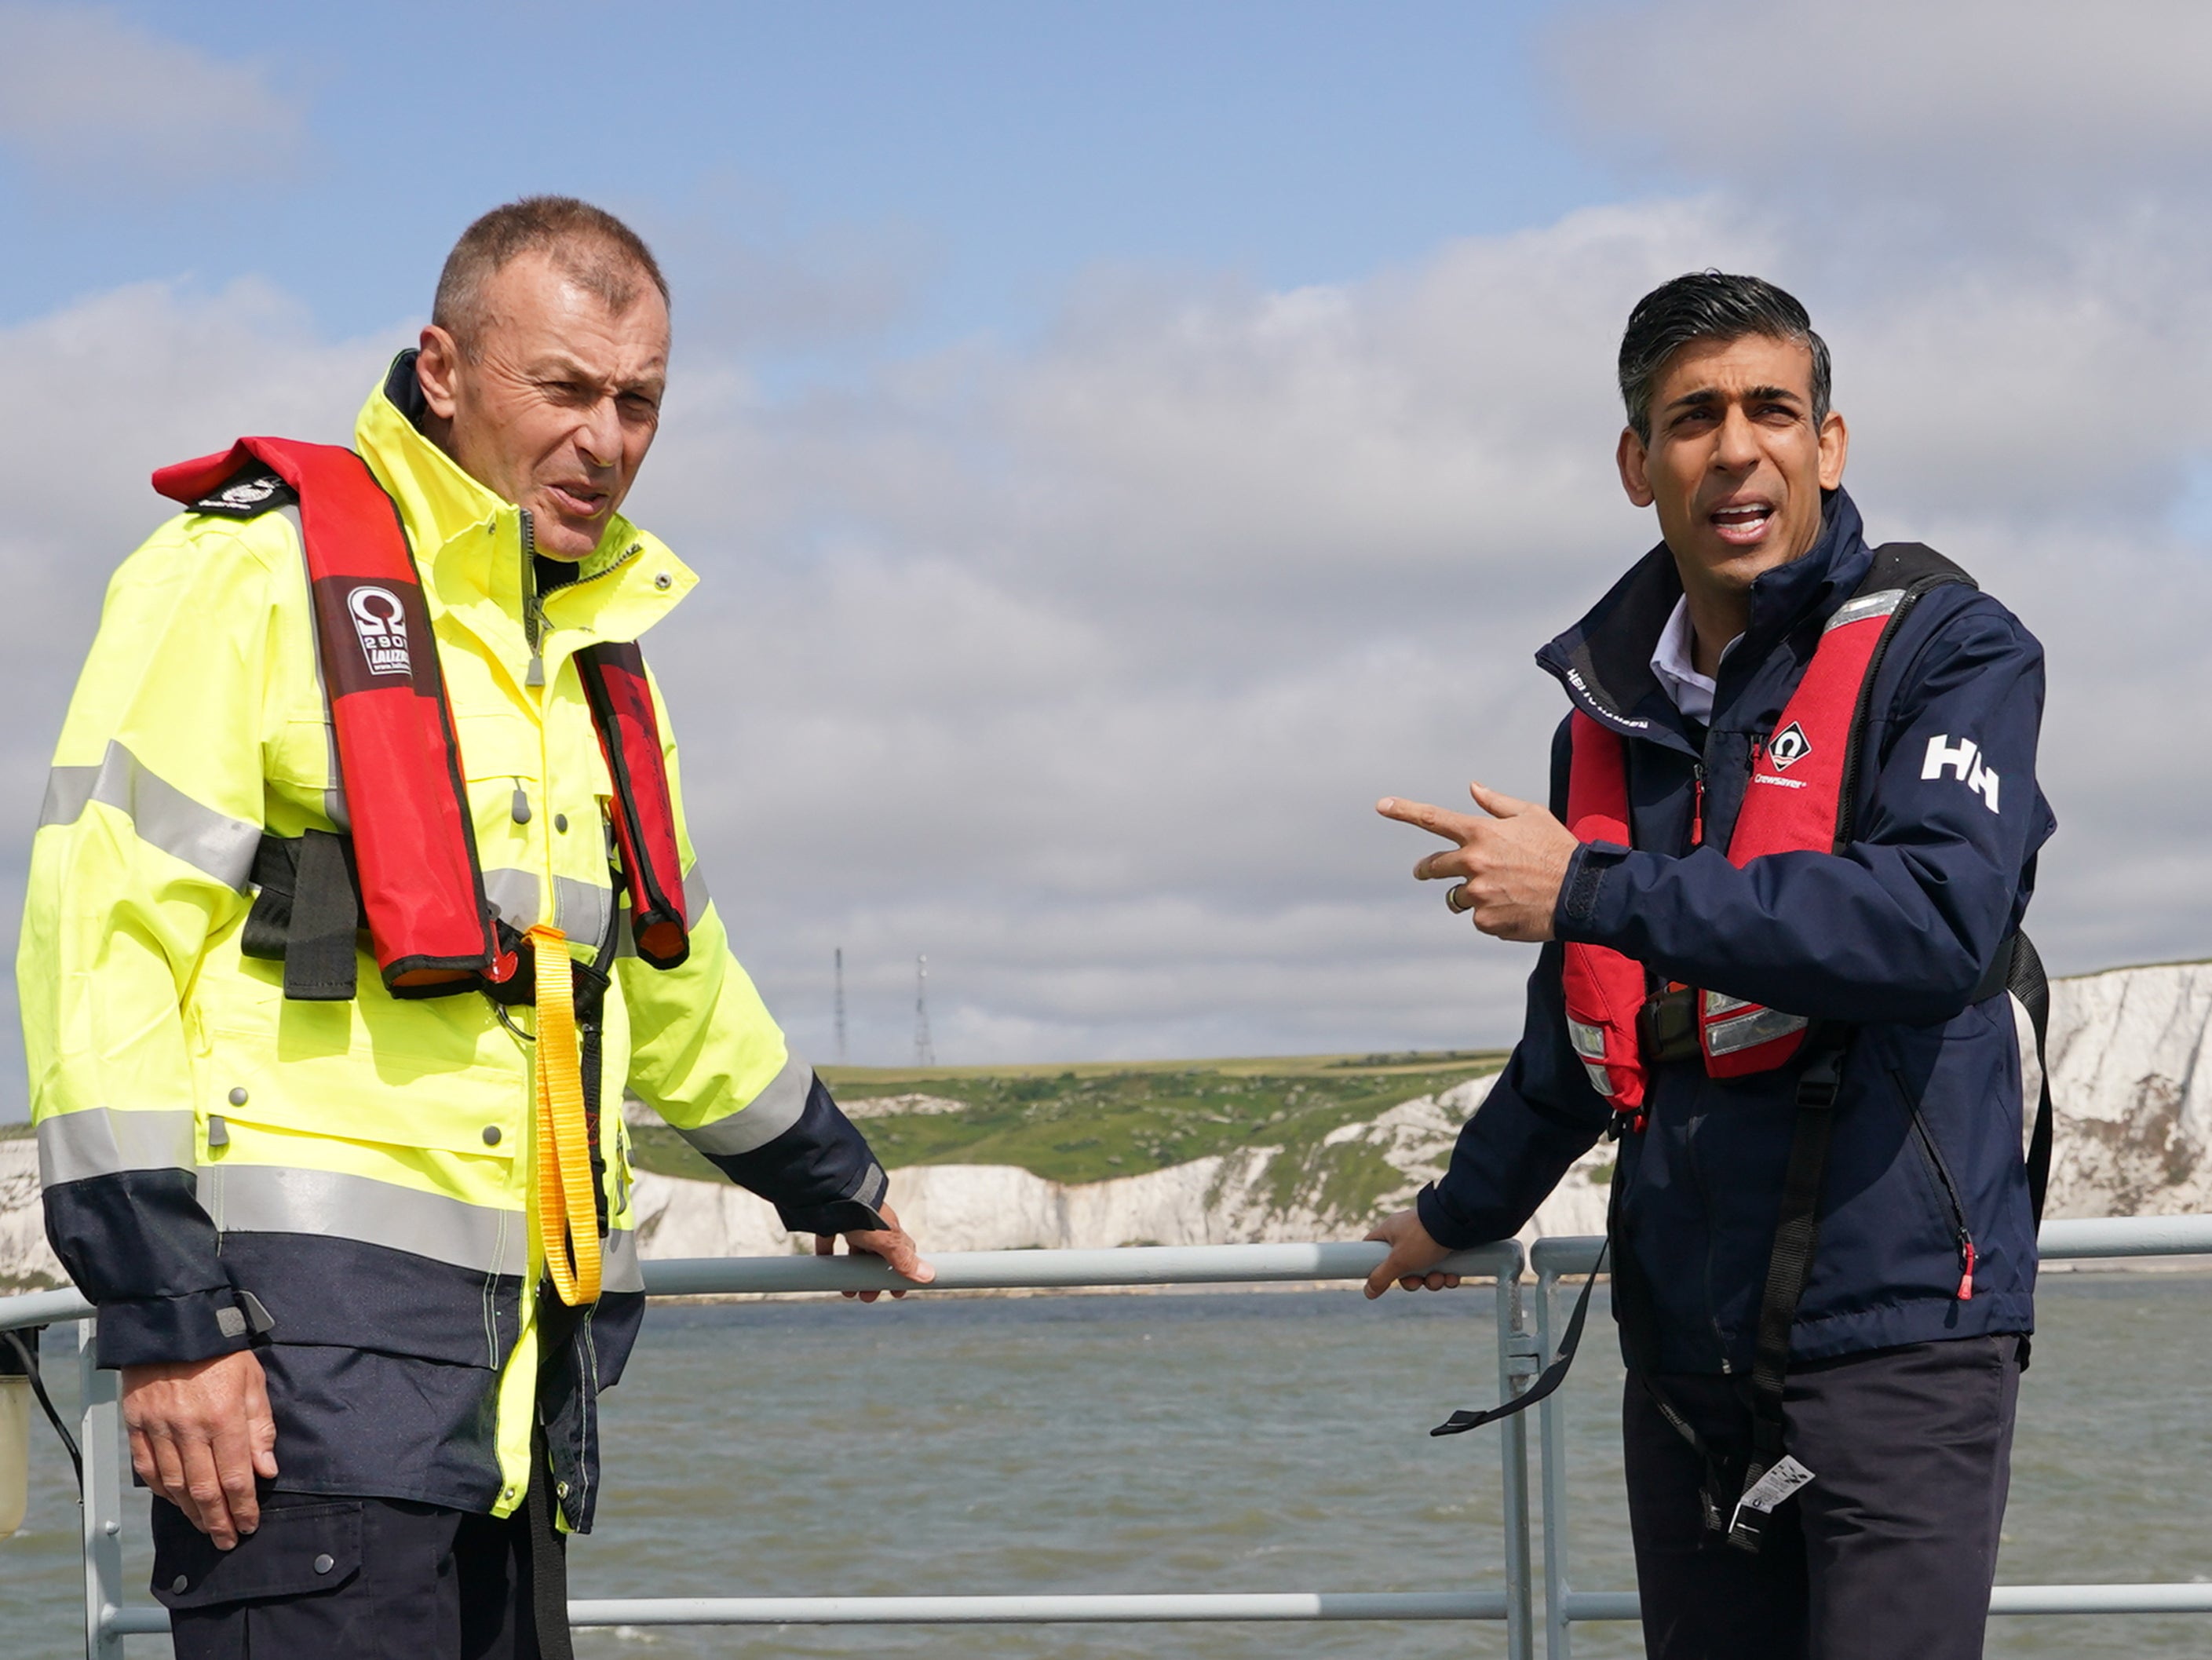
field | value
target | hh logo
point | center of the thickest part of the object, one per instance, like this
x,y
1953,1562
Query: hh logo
x,y
1963,762
381,622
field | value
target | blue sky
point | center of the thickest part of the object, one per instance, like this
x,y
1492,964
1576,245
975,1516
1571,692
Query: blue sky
x,y
1119,443
965,161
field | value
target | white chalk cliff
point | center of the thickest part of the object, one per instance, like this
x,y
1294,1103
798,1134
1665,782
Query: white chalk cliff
x,y
2131,1067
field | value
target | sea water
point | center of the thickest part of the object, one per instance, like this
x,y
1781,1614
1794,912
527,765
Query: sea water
x,y
1216,1441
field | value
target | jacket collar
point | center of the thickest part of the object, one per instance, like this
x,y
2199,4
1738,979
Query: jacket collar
x,y
1605,659
467,539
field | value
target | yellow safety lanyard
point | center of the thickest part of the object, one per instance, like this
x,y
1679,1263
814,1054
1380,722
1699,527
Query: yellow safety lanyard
x,y
567,1211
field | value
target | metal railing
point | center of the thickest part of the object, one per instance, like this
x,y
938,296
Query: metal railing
x,y
1520,1354
109,1619
2076,1241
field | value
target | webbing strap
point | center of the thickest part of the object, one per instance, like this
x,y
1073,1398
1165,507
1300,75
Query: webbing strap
x,y
2025,979
1555,1375
1789,1266
568,1214
319,952
548,1559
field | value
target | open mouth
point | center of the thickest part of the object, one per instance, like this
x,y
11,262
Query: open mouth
x,y
1742,523
576,501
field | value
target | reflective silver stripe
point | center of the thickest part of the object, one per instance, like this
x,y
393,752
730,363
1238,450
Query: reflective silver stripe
x,y
1748,1030
582,909
1870,604
271,1199
334,801
766,1116
874,1186
1589,1040
695,896
1601,1080
619,1269
101,1140
163,816
1719,1003
514,895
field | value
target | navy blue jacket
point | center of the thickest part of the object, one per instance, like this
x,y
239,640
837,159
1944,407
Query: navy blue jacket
x,y
1889,937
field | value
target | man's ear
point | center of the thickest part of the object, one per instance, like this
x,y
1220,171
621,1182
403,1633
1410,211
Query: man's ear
x,y
1835,448
437,366
1634,461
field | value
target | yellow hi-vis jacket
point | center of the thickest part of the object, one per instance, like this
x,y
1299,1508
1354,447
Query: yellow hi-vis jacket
x,y
347,1186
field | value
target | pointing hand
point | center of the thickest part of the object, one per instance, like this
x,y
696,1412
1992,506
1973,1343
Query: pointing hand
x,y
1507,867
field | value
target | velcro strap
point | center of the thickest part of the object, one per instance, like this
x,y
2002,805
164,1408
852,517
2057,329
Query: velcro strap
x,y
320,946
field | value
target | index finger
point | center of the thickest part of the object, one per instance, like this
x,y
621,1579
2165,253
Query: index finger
x,y
1437,821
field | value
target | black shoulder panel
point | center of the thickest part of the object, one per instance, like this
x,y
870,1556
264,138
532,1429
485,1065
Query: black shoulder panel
x,y
254,489
1912,565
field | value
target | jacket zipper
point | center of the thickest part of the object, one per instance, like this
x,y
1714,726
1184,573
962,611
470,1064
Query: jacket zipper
x,y
534,626
1698,805
533,613
1934,1157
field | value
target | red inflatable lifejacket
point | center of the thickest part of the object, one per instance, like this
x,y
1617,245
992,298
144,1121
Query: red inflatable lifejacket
x,y
413,842
1795,802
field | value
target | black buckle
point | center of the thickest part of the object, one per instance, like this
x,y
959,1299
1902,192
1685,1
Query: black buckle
x,y
1667,1026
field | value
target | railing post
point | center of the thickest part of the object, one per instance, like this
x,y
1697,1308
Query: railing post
x,y
1551,1455
100,1436
1515,1368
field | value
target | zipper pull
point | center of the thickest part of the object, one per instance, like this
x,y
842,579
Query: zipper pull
x,y
1698,805
1966,1279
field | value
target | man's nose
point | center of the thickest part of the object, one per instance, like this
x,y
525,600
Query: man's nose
x,y
601,435
1738,445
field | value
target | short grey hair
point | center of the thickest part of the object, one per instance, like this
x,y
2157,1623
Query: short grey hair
x,y
589,244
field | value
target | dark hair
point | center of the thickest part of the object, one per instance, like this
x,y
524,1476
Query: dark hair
x,y
589,244
1709,305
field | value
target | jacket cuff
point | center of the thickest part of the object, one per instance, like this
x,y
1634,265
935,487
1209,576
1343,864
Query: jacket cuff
x,y
855,1212
147,1331
1574,916
1445,1227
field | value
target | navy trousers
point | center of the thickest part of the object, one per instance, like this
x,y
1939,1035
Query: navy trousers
x,y
1888,1552
351,1579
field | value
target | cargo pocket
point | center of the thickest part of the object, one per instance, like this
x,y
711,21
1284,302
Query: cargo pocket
x,y
299,1550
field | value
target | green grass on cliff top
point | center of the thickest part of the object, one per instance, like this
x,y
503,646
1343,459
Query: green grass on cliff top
x,y
1093,1122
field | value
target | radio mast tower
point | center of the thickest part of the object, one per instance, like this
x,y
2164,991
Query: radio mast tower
x,y
841,1006
925,1052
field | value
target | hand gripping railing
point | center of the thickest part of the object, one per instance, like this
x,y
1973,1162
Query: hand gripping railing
x,y
2116,1237
108,1618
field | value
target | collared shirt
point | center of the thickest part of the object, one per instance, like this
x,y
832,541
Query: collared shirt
x,y
1676,669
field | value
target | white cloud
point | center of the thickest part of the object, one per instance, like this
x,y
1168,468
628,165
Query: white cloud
x,y
2018,92
87,97
1079,664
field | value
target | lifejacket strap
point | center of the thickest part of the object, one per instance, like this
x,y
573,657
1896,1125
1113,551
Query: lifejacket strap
x,y
320,950
307,915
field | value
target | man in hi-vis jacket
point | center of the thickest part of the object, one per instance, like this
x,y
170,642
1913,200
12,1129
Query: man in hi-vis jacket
x,y
362,892
1793,827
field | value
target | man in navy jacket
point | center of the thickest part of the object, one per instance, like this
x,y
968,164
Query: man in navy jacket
x,y
1913,1326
